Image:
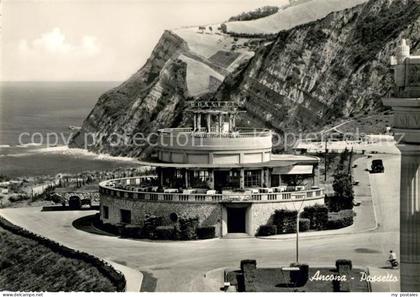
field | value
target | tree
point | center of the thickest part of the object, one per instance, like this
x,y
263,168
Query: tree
x,y
343,189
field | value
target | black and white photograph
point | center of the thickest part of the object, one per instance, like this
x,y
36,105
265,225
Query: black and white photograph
x,y
266,146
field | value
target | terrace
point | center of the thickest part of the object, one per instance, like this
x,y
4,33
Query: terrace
x,y
145,188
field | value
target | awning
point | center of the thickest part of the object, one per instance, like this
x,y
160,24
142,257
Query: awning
x,y
296,169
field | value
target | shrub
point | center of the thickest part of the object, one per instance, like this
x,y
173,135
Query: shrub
x,y
164,232
304,224
150,224
130,231
300,277
75,202
343,269
343,188
343,262
206,232
255,14
267,230
318,216
17,198
341,219
285,220
186,228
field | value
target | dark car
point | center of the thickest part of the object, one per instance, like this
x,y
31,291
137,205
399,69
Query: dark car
x,y
377,166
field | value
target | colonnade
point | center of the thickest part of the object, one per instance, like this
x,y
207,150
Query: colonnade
x,y
219,122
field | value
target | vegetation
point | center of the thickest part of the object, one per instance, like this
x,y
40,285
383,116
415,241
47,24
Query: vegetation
x,y
29,262
278,280
314,217
304,224
206,232
317,215
267,230
340,219
342,184
285,220
183,228
255,14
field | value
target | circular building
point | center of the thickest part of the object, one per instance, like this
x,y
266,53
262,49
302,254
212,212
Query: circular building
x,y
225,175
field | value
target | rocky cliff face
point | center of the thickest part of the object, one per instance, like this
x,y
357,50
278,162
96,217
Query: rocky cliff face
x,y
333,68
148,100
309,76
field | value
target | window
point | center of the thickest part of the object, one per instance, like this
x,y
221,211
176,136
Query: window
x,y
252,178
125,216
105,212
201,175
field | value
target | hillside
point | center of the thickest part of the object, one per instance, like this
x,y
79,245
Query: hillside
x,y
300,79
318,73
27,266
291,16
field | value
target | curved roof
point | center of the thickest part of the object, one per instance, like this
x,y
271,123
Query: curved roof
x,y
276,161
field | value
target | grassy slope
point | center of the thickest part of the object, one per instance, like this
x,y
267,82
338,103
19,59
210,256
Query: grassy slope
x,y
27,266
291,16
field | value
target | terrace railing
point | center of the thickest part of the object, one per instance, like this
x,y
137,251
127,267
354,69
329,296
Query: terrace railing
x,y
239,133
106,188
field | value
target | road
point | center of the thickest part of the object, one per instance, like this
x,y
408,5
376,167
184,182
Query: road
x,y
180,266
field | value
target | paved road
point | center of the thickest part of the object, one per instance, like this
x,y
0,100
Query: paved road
x,y
180,266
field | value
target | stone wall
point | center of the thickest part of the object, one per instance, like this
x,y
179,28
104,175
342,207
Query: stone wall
x,y
261,213
209,214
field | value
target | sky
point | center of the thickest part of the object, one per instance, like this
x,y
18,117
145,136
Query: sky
x,y
92,40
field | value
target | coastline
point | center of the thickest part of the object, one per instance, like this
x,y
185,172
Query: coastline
x,y
37,161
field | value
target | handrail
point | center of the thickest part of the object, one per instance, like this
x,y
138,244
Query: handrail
x,y
243,132
197,197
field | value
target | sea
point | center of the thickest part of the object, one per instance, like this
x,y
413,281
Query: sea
x,y
30,111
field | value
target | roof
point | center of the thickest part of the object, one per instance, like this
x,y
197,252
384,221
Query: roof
x,y
276,161
293,170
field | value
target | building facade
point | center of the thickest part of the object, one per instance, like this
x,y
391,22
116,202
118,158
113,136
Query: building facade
x,y
225,175
406,105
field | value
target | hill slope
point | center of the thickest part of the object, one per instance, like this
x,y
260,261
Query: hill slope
x,y
305,77
336,67
291,16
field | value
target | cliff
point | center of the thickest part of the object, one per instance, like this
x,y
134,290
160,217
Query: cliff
x,y
304,78
326,70
149,99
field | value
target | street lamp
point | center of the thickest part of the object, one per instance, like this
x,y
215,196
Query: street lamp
x,y
297,235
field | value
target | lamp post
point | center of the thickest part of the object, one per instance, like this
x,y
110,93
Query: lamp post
x,y
297,236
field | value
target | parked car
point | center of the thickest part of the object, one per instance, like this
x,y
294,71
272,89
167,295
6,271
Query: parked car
x,y
377,166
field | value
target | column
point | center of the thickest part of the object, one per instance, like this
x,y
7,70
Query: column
x,y
230,122
195,122
317,175
160,175
410,218
199,121
211,179
267,177
242,179
406,107
208,122
263,184
220,123
187,181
